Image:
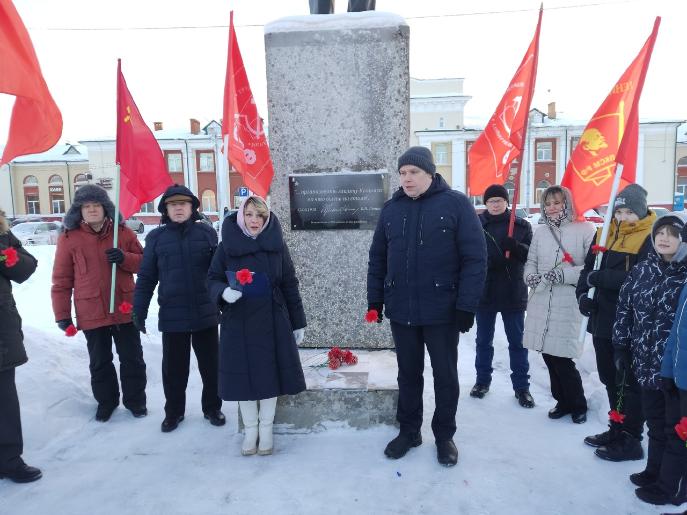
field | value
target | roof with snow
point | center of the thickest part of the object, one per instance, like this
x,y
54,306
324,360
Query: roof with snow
x,y
344,21
65,152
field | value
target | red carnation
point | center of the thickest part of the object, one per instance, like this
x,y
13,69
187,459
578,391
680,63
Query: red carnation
x,y
681,429
598,248
567,258
334,363
371,316
11,256
616,416
349,358
336,353
71,330
244,276
125,307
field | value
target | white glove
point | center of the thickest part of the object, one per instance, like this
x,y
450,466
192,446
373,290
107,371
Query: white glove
x,y
299,334
230,295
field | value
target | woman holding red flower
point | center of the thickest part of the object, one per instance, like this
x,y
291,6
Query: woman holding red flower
x,y
553,267
253,281
17,266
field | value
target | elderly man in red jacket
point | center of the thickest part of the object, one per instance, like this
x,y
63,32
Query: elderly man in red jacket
x,y
83,265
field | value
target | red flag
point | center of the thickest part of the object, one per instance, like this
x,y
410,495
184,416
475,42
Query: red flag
x,y
143,174
502,140
610,138
245,144
36,123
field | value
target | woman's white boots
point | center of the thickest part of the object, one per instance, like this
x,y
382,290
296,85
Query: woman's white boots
x,y
249,415
257,423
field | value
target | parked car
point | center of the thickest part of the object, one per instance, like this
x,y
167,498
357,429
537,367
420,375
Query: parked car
x,y
135,224
37,233
660,211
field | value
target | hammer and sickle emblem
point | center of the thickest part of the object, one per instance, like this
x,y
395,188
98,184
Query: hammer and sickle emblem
x,y
127,118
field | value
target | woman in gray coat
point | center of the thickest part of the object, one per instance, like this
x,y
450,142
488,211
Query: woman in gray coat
x,y
554,262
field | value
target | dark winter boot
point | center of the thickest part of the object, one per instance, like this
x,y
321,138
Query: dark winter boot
x,y
103,413
557,412
643,478
22,473
447,453
399,446
479,391
216,418
525,399
169,424
654,494
624,448
139,411
604,438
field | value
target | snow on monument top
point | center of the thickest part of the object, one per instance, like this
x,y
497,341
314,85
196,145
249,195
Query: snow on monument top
x,y
345,21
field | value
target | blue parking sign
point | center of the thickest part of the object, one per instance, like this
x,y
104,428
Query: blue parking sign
x,y
243,191
678,202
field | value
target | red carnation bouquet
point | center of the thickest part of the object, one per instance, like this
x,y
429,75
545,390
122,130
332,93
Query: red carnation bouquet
x,y
71,331
9,256
125,307
244,276
681,429
336,358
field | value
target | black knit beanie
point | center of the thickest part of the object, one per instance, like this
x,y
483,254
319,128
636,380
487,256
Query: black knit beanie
x,y
633,197
420,157
495,190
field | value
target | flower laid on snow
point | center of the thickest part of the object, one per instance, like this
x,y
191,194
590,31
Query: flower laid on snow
x,y
336,357
71,330
125,307
244,276
371,316
616,416
598,248
9,256
681,429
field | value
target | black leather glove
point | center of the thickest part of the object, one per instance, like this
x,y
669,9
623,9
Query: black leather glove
x,y
139,323
63,324
622,359
509,244
379,308
593,278
115,255
464,320
588,306
668,385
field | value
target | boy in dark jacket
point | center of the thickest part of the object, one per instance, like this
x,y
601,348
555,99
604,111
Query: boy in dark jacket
x,y
15,265
505,292
628,243
178,255
644,319
427,262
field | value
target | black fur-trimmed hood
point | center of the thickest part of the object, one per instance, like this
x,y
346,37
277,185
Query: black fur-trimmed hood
x,y
178,189
88,193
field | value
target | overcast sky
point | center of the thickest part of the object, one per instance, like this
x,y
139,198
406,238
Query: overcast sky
x,y
174,53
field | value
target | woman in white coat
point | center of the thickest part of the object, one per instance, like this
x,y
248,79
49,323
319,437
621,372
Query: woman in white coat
x,y
552,326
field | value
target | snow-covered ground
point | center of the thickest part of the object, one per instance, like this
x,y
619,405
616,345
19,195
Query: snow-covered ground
x,y
512,460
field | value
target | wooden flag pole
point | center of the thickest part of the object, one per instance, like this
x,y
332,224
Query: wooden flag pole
x,y
602,239
115,241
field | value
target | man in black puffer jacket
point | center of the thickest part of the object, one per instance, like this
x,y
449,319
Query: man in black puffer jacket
x,y
427,267
178,255
16,265
505,292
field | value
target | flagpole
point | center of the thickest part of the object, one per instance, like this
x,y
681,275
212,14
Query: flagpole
x,y
516,192
115,238
602,239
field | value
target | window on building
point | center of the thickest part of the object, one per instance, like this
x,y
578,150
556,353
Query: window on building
x,y
206,162
574,140
544,151
80,180
57,204
539,190
208,201
55,179
56,191
510,188
441,122
33,206
148,208
174,162
30,180
441,154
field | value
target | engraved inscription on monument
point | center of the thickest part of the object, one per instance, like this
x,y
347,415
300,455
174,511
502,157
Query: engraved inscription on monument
x,y
336,200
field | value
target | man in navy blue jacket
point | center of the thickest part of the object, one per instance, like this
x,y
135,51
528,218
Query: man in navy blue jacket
x,y
177,255
427,268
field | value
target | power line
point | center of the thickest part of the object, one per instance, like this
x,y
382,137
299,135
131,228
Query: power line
x,y
259,25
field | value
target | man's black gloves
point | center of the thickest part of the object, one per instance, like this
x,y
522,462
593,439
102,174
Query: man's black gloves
x,y
622,359
63,324
379,308
588,306
139,323
464,320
